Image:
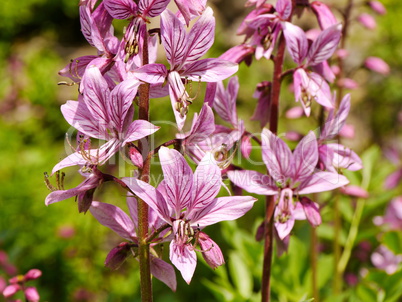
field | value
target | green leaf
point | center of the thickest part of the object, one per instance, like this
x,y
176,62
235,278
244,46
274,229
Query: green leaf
x,y
393,240
240,274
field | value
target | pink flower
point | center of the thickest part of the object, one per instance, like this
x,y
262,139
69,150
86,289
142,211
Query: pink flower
x,y
367,21
386,260
183,51
17,283
289,175
377,65
378,7
392,219
187,201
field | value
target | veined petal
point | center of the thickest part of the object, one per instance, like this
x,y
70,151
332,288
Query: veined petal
x,y
96,94
284,228
133,209
253,182
210,70
139,129
178,96
122,97
152,8
78,116
321,182
207,182
178,178
71,160
325,45
324,15
211,252
114,218
163,271
225,101
174,38
149,195
335,122
121,9
277,156
222,208
311,209
345,158
76,68
296,42
201,36
284,8
184,258
319,89
305,157
152,73
190,8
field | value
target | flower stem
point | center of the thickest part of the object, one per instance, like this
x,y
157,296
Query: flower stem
x,y
143,250
270,200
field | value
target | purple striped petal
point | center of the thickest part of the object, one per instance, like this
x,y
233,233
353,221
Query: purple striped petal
x,y
210,70
283,8
253,182
325,45
174,38
178,178
321,182
296,42
114,218
324,15
345,158
225,101
150,196
152,8
277,156
201,36
76,68
152,73
207,182
121,9
223,208
96,94
184,259
305,157
163,271
78,116
71,160
139,129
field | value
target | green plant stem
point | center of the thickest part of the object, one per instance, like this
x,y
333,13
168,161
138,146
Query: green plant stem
x,y
314,259
337,247
270,200
143,249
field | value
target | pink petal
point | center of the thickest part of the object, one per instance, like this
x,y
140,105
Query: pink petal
x,y
139,129
321,182
294,113
31,294
284,228
207,182
121,99
190,8
277,156
305,157
253,182
184,258
164,272
149,195
152,8
71,160
209,70
246,146
222,208
96,94
325,45
136,157
116,257
76,68
113,218
355,191
152,73
312,211
201,36
324,14
174,38
78,116
367,21
393,179
296,42
377,65
378,7
178,178
284,8
32,274
348,83
345,158
262,111
11,290
225,101
121,9
211,252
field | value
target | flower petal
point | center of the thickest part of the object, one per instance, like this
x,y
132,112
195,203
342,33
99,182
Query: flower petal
x,y
209,70
139,129
152,8
120,9
296,42
184,258
305,157
178,178
321,182
253,182
152,73
222,208
114,218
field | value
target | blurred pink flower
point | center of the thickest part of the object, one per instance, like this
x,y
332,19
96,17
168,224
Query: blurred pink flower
x,y
367,21
378,7
386,260
377,65
393,215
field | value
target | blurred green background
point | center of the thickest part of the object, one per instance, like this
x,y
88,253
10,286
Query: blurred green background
x,y
37,39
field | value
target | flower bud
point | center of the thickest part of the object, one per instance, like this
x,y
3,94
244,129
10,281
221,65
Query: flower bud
x,y
31,294
377,65
210,251
33,274
117,256
378,7
367,21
